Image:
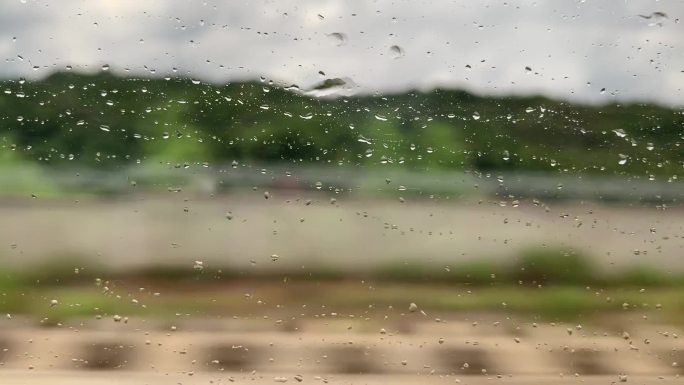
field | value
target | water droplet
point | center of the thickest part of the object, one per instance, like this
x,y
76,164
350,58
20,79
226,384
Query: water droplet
x,y
396,51
476,115
362,139
623,159
339,37
620,133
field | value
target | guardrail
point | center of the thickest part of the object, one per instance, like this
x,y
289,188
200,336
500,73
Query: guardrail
x,y
206,179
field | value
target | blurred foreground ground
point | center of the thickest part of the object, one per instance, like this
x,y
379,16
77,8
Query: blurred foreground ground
x,y
403,348
59,378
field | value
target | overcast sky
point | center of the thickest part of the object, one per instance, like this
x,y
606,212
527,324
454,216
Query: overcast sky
x,y
573,48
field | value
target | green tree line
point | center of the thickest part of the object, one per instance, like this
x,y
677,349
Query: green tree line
x,y
106,121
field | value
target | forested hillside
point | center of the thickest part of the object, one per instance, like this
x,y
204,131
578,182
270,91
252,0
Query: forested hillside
x,y
107,121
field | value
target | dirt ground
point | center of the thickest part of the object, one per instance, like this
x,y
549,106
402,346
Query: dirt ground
x,y
70,378
339,350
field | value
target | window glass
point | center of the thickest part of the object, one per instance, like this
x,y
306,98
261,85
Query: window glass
x,y
367,192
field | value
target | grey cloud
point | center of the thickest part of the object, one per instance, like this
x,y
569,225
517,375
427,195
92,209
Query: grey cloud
x,y
568,44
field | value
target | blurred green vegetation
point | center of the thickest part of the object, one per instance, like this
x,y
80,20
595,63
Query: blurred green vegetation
x,y
544,266
127,299
536,267
545,282
106,121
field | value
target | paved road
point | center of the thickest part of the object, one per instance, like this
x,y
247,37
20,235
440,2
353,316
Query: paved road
x,y
347,235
